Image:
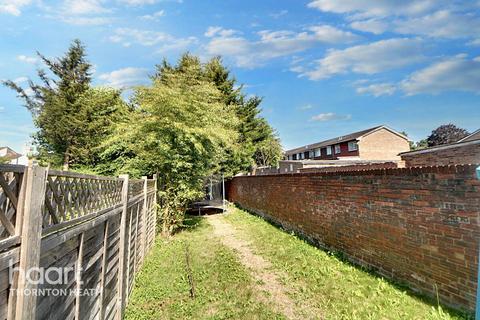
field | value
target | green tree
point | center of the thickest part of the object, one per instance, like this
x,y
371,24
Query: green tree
x,y
54,104
181,128
422,144
445,134
260,143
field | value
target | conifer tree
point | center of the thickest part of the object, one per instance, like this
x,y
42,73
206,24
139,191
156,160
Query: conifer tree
x,y
69,114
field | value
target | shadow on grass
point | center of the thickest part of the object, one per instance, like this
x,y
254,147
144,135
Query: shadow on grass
x,y
402,286
192,223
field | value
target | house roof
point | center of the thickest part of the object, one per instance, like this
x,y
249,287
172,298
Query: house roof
x,y
471,137
10,153
441,147
348,137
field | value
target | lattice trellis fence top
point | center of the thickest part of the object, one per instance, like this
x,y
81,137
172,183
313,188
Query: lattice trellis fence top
x,y
135,187
10,182
70,196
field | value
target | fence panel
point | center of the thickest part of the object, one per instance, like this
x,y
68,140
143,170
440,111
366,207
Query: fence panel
x,y
82,222
11,198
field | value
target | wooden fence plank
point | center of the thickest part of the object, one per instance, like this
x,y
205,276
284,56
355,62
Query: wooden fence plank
x,y
30,239
144,219
78,275
104,266
122,279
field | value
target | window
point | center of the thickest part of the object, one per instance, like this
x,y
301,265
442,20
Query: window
x,y
310,154
317,152
301,156
294,157
337,148
352,146
329,150
291,167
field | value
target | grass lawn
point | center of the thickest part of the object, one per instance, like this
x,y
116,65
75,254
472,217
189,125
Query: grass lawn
x,y
225,289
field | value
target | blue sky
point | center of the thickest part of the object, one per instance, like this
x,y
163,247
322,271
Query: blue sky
x,y
324,67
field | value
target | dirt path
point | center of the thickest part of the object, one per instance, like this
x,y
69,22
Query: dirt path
x,y
266,280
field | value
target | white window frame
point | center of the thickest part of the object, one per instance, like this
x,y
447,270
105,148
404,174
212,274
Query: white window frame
x,y
338,149
311,154
329,150
317,152
352,146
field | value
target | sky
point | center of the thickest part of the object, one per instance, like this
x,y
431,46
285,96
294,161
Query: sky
x,y
324,67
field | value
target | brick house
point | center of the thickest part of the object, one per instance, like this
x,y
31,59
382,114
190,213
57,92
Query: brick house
x,y
378,143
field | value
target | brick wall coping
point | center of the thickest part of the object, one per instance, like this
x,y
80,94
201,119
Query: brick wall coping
x,y
460,168
438,148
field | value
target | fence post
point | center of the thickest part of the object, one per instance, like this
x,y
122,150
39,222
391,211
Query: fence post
x,y
123,259
155,203
477,313
144,218
31,236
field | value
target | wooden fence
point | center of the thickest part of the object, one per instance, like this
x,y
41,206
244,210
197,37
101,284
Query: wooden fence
x,y
87,234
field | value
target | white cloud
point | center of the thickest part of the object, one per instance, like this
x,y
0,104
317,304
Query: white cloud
x,y
29,92
78,7
454,74
271,44
146,2
13,7
126,36
20,80
375,26
86,21
368,59
219,31
475,42
2,109
326,33
138,2
148,38
154,16
125,78
27,59
306,107
80,12
178,45
330,116
279,14
378,89
368,8
442,23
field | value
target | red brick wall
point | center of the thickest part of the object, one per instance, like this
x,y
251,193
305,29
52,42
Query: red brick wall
x,y
416,225
356,167
463,154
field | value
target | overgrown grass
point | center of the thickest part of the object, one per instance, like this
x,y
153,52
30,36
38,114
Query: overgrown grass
x,y
323,281
223,288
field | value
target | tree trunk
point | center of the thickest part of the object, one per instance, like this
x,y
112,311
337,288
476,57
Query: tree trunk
x,y
66,161
165,226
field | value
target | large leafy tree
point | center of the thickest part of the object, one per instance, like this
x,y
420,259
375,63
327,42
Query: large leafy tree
x,y
260,143
71,117
445,134
181,128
